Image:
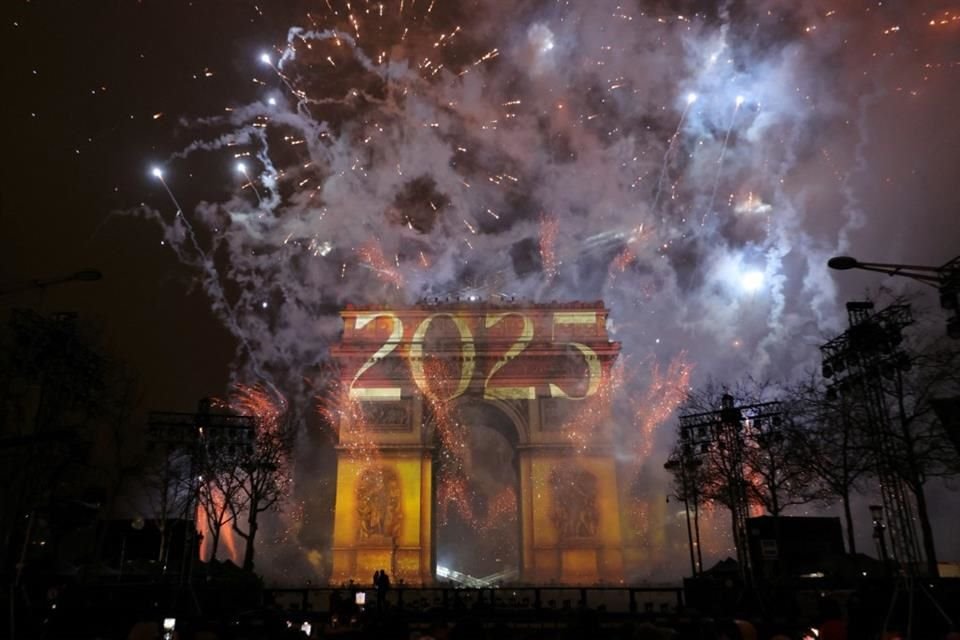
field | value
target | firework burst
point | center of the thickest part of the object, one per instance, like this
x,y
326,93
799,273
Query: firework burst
x,y
399,150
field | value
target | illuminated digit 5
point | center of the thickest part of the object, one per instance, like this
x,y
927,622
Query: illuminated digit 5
x,y
396,334
467,353
594,372
526,335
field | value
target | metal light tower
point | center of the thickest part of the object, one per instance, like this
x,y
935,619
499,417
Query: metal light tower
x,y
729,430
199,437
857,362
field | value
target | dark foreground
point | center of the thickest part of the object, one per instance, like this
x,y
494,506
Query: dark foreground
x,y
224,611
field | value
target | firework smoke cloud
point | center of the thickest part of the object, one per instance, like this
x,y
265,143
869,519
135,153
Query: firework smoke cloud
x,y
693,170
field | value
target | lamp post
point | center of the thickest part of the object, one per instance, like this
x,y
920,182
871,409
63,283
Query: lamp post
x,y
84,275
945,279
876,514
672,465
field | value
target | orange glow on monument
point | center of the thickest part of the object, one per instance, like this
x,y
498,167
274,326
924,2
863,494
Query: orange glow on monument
x,y
420,381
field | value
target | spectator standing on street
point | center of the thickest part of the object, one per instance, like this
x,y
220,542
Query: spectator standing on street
x,y
383,585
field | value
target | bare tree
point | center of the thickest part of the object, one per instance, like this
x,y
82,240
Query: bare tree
x,y
121,453
777,480
167,489
831,444
744,460
263,476
220,491
56,389
929,370
890,369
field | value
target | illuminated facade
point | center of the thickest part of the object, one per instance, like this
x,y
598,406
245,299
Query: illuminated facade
x,y
544,367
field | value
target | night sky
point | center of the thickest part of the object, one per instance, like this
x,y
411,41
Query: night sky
x,y
693,165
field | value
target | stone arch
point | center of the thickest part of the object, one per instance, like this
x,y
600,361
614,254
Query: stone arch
x,y
515,412
520,434
576,544
479,532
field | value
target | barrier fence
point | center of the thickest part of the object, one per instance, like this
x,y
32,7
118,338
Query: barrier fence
x,y
505,599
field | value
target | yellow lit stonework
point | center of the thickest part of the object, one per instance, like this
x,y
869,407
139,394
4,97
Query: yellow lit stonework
x,y
516,359
408,555
578,560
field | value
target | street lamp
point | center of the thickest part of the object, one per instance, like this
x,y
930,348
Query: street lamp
x,y
876,514
672,465
87,275
945,279
84,275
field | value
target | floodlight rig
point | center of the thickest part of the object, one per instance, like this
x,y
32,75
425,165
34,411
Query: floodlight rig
x,y
729,429
199,437
857,362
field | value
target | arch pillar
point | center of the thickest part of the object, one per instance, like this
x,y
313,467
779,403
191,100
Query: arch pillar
x,y
401,541
570,504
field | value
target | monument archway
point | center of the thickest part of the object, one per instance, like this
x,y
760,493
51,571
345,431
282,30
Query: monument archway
x,y
414,376
477,530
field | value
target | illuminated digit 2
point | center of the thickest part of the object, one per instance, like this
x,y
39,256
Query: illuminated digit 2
x,y
526,335
396,334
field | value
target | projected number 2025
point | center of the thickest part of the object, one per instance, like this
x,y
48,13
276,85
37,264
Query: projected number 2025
x,y
492,387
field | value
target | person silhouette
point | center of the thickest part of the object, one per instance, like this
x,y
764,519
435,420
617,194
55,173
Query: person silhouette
x,y
383,585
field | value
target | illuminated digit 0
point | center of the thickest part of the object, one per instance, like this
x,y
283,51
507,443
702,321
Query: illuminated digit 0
x,y
526,335
467,353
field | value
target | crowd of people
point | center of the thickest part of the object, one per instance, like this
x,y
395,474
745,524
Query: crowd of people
x,y
383,610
